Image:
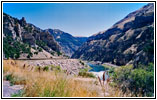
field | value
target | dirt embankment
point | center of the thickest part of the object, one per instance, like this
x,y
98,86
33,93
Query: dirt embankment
x,y
72,66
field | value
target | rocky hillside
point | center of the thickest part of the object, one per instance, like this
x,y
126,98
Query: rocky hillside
x,y
19,37
131,40
68,43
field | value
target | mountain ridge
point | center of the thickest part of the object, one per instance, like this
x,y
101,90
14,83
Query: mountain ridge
x,y
50,40
69,43
20,37
124,42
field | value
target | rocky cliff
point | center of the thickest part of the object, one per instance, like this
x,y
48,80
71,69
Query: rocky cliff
x,y
19,37
129,41
68,43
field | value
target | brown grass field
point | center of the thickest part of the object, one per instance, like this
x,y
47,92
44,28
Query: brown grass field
x,y
39,83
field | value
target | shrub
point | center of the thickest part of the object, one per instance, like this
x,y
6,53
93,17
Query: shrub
x,y
149,48
38,68
46,68
41,43
36,53
121,74
58,68
84,73
40,49
55,68
82,63
13,48
52,53
139,81
111,71
15,79
59,53
10,78
29,55
19,94
34,48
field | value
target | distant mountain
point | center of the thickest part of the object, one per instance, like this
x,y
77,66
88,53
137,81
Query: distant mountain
x,y
20,37
68,43
129,41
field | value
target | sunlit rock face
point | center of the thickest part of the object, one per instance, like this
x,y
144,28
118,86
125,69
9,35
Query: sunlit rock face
x,y
24,32
129,41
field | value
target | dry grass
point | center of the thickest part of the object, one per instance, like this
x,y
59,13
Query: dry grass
x,y
55,83
46,84
108,90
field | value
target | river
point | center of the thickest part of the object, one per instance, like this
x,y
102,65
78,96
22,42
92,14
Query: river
x,y
98,70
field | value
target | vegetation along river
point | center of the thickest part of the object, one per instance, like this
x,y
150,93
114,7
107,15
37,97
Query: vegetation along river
x,y
98,70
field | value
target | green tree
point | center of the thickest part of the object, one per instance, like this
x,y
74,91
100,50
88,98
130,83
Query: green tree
x,y
59,53
13,48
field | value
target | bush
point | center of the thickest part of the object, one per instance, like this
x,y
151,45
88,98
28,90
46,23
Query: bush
x,y
39,49
139,81
82,63
40,43
10,78
15,80
59,53
122,73
58,68
52,53
84,70
34,48
13,48
19,94
111,71
84,73
149,48
46,68
55,68
29,55
38,68
142,81
36,53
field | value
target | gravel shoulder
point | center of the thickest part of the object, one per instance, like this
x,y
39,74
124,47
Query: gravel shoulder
x,y
9,90
72,66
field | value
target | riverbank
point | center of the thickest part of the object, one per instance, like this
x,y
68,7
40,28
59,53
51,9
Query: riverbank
x,y
72,66
107,65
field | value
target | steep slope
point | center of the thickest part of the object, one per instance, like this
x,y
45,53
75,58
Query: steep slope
x,y
68,43
131,40
20,37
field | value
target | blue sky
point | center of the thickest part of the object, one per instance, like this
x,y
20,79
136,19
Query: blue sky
x,y
78,19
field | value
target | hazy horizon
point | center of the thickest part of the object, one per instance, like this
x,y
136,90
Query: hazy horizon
x,y
78,19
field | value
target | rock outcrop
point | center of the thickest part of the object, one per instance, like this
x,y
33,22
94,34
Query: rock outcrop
x,y
129,41
23,32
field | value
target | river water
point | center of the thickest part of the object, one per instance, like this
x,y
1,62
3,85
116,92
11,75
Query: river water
x,y
98,70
